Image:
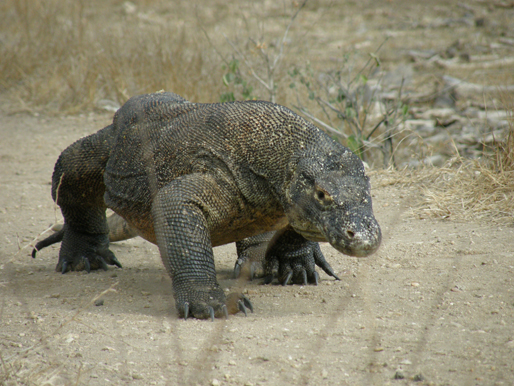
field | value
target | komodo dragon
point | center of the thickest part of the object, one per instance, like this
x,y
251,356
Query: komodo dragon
x,y
191,176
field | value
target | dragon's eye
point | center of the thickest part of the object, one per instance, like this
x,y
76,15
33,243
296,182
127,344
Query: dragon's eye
x,y
322,196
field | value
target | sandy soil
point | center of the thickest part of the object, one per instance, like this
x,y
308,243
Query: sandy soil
x,y
434,306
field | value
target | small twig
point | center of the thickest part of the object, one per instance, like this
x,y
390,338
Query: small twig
x,y
57,196
371,57
279,56
32,243
353,121
212,45
329,128
254,74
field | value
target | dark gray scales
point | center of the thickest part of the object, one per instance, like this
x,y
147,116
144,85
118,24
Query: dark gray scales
x,y
190,176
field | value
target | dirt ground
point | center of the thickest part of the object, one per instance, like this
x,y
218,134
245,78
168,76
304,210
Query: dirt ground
x,y
434,306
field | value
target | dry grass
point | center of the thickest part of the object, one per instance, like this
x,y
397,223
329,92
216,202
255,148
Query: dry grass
x,y
465,189
64,56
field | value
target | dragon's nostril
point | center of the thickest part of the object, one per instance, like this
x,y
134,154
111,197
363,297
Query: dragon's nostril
x,y
350,234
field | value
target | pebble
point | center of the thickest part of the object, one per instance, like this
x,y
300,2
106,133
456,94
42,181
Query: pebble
x,y
418,378
215,382
399,375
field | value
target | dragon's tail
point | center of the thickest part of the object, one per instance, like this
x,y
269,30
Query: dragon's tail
x,y
52,239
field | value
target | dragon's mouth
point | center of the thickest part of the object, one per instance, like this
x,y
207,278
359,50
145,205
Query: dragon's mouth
x,y
311,235
360,246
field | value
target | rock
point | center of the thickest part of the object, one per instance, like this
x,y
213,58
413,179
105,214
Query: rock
x,y
439,113
129,7
401,75
424,127
108,105
418,378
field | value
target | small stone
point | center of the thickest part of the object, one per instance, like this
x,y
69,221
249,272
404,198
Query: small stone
x,y
414,284
378,349
55,296
418,378
70,338
232,363
406,362
324,374
399,375
136,376
145,293
215,382
99,302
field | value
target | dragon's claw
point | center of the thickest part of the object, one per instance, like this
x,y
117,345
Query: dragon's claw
x,y
186,310
64,267
241,306
288,277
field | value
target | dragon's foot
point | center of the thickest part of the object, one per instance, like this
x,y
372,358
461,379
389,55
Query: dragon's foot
x,y
80,251
209,303
296,265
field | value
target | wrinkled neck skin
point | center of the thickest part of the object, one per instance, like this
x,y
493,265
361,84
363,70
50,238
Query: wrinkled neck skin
x,y
328,199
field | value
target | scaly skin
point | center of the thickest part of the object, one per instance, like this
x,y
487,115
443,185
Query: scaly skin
x,y
190,176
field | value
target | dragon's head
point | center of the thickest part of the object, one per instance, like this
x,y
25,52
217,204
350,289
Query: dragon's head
x,y
329,200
